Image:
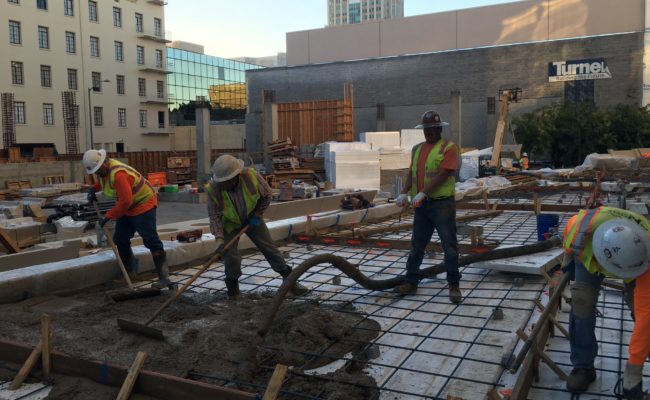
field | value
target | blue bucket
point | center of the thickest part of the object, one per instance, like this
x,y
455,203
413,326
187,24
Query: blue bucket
x,y
547,225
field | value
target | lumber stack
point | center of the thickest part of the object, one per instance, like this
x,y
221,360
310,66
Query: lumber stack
x,y
283,153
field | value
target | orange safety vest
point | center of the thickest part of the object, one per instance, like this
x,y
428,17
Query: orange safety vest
x,y
524,163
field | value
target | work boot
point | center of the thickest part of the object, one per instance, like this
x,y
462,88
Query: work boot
x,y
633,382
580,379
162,270
406,288
232,289
455,295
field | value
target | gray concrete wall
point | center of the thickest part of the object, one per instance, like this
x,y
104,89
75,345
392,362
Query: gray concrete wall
x,y
72,171
410,85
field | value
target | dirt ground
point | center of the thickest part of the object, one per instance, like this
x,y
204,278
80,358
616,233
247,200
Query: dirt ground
x,y
208,338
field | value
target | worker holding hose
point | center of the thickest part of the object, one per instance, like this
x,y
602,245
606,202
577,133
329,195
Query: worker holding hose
x,y
239,196
432,186
601,242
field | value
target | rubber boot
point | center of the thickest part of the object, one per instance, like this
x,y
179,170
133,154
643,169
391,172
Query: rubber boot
x,y
633,382
162,270
455,295
580,379
131,264
232,288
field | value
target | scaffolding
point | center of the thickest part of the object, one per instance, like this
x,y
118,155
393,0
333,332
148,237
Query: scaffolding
x,y
8,120
70,122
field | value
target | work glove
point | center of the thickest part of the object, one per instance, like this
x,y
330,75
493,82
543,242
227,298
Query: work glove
x,y
253,221
220,246
90,195
418,200
103,221
402,200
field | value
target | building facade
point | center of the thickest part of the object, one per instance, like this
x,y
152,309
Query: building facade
x,y
194,74
344,12
72,61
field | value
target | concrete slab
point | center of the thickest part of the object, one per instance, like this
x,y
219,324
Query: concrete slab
x,y
50,252
530,264
29,391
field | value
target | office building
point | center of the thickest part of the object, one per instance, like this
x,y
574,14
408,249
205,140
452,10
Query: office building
x,y
343,12
70,61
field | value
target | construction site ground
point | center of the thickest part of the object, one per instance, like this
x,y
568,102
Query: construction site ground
x,y
343,341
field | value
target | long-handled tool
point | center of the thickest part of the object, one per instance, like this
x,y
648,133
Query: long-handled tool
x,y
131,293
145,329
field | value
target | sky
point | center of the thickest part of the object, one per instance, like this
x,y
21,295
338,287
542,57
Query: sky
x,y
257,28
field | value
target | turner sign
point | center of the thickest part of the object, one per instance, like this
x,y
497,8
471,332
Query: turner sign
x,y
577,70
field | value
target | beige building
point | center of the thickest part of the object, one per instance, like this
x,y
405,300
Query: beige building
x,y
69,59
343,12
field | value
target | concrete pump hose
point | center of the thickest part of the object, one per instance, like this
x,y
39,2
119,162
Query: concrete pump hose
x,y
352,271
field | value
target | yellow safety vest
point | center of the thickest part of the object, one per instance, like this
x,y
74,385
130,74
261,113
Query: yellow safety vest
x,y
432,165
577,240
141,189
252,194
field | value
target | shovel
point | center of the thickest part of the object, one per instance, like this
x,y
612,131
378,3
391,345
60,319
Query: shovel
x,y
130,293
145,329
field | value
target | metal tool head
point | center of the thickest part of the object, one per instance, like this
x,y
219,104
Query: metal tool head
x,y
140,328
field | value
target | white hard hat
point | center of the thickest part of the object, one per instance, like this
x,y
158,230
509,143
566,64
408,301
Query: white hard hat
x,y
226,167
93,159
622,248
525,154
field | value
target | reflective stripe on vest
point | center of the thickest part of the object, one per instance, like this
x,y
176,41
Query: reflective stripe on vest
x,y
583,231
251,191
141,190
432,166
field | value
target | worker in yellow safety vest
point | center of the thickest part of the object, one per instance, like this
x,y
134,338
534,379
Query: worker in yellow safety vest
x,y
598,243
432,186
134,210
238,196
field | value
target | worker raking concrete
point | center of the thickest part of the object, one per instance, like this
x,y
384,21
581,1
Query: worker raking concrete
x,y
432,184
134,210
598,243
239,196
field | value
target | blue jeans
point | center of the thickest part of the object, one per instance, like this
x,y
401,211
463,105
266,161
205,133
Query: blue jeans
x,y
441,216
261,237
582,320
125,228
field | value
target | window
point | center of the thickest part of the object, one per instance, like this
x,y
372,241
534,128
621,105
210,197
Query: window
x,y
68,7
143,118
138,23
41,4
92,11
117,17
97,81
121,117
14,32
48,114
72,79
160,89
491,105
94,46
19,112
157,27
119,52
70,43
159,59
14,1
46,76
43,37
120,84
161,119
140,55
17,74
98,116
142,87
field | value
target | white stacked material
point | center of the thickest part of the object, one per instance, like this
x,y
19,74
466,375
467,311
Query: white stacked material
x,y
469,167
355,169
391,160
608,162
410,138
381,140
329,147
67,228
11,209
474,187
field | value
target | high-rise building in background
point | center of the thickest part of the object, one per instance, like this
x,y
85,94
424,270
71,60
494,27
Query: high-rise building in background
x,y
71,62
342,12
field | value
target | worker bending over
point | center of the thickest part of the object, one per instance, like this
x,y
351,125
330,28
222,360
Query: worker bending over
x,y
607,242
239,196
134,210
432,184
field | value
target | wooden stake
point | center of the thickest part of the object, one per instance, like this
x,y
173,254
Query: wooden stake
x,y
551,318
27,367
494,395
132,376
9,243
544,357
275,384
46,336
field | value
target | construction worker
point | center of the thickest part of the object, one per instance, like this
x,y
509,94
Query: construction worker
x,y
239,196
134,210
432,184
523,162
601,242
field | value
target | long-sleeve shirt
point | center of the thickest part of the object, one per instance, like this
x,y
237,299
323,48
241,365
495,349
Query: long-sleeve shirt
x,y
237,196
123,186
